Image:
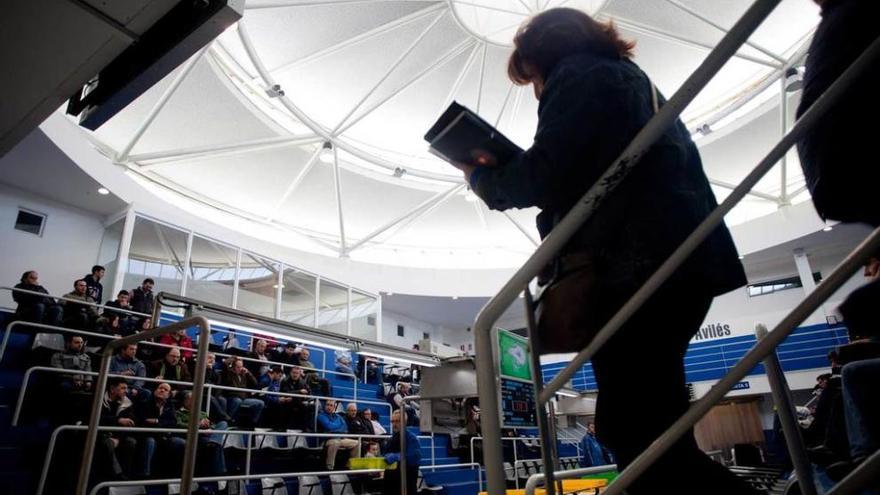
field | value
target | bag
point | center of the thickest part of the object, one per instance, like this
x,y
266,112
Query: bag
x,y
566,313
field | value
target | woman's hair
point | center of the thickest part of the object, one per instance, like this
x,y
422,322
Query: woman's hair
x,y
25,275
554,34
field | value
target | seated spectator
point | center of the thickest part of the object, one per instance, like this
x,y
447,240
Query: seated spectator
x,y
288,355
156,413
32,307
259,353
117,410
316,383
181,340
396,401
298,412
373,418
126,322
171,368
77,315
238,376
275,415
125,363
212,444
142,297
218,402
862,407
355,422
330,422
74,358
343,363
94,288
109,325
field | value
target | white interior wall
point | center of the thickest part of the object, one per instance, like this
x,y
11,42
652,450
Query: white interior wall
x,y
65,252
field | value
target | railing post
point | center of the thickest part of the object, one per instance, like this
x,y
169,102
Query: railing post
x,y
787,416
94,419
192,433
545,427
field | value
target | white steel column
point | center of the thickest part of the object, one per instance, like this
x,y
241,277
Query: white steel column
x,y
124,250
317,299
348,315
187,263
805,271
237,278
379,334
338,189
296,182
279,289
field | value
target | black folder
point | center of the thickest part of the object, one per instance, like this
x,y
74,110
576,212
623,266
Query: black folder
x,y
460,135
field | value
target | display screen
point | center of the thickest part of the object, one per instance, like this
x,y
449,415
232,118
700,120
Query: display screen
x,y
513,356
518,404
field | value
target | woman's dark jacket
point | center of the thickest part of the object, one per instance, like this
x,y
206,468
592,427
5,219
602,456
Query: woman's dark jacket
x,y
590,109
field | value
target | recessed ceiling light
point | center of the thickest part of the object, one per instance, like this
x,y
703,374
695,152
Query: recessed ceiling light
x,y
103,191
455,297
741,256
276,286
827,229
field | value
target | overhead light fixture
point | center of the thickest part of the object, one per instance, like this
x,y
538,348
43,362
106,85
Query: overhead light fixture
x,y
409,358
827,228
103,191
564,392
262,331
399,172
326,155
741,256
794,80
276,286
454,297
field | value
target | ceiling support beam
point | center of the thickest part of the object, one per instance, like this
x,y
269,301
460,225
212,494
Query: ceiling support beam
x,y
504,105
256,4
460,78
480,215
295,183
421,208
338,189
697,15
122,156
440,62
496,9
757,194
388,72
660,34
482,76
376,31
521,229
797,192
214,151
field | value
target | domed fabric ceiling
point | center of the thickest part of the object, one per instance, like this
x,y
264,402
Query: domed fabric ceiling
x,y
308,116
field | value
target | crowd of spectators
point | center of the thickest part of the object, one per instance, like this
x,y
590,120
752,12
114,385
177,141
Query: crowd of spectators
x,y
272,385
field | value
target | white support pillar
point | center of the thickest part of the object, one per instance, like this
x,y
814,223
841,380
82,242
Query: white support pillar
x,y
379,336
187,263
348,314
805,271
317,299
279,290
237,279
124,250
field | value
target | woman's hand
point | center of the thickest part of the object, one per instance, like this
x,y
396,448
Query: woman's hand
x,y
466,168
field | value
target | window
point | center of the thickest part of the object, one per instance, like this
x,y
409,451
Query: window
x,y
771,286
426,336
400,330
30,222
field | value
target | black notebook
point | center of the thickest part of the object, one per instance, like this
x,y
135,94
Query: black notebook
x,y
460,135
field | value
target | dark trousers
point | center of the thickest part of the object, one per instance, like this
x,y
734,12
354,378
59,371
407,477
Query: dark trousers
x,y
391,484
640,373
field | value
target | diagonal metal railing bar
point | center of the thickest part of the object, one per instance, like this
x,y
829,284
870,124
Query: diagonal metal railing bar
x,y
487,379
684,424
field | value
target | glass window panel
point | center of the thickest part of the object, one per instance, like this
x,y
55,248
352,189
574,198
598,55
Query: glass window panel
x,y
364,310
209,259
333,307
157,251
298,297
257,285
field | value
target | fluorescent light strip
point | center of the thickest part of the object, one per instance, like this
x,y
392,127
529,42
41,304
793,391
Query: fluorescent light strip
x,y
260,331
426,362
567,393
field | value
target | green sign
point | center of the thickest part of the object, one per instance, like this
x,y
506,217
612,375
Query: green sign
x,y
513,356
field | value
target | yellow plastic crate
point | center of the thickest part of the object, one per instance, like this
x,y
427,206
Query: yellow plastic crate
x,y
568,486
367,463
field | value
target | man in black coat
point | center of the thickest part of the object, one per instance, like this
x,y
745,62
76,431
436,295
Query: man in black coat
x,y
94,288
34,308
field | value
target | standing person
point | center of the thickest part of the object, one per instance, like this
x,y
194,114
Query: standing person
x,y
594,453
391,483
142,297
592,101
34,308
95,289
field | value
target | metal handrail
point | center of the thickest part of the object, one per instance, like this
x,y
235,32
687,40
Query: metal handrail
x,y
534,479
203,479
431,438
96,304
588,204
47,459
208,386
487,379
189,456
